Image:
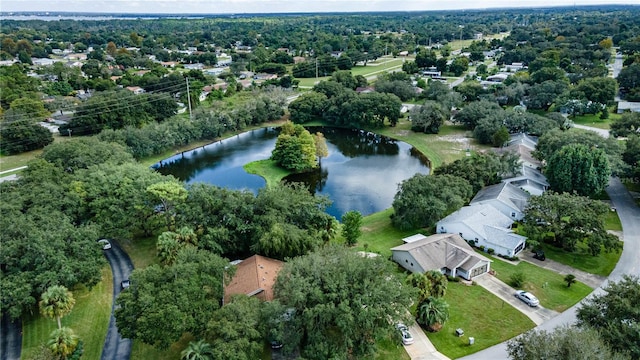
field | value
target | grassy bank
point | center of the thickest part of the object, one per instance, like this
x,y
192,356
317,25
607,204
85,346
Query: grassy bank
x,y
379,236
602,264
89,319
268,169
482,316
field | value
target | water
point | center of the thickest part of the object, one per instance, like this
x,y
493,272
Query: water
x,y
362,171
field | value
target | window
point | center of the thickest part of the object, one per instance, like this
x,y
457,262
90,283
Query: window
x,y
405,260
476,240
513,214
460,234
411,264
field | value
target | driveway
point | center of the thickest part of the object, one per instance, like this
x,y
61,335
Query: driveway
x,y
602,132
505,292
422,348
11,339
115,347
629,214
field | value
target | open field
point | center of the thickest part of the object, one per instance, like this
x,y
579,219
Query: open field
x,y
89,319
482,316
549,287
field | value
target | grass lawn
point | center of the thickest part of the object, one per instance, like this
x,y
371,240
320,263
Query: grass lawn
x,y
481,315
602,264
612,221
390,349
379,235
268,169
549,287
142,252
142,351
89,319
595,121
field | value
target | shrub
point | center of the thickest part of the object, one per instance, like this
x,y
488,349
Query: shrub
x,y
491,251
481,247
517,279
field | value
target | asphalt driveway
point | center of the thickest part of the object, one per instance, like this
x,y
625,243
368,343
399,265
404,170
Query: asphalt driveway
x,y
116,347
10,339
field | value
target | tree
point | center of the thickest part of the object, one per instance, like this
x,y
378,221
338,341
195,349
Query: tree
x,y
627,124
427,118
565,220
424,199
340,302
562,343
351,221
84,152
19,137
599,90
542,95
570,279
164,302
63,342
433,283
631,157
197,350
482,169
578,168
432,313
615,314
307,107
56,302
321,146
473,112
236,330
295,148
459,65
629,79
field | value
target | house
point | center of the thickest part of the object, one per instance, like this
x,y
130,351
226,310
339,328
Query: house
x,y
448,253
628,106
509,199
531,180
254,276
136,89
516,66
365,89
498,78
524,146
485,226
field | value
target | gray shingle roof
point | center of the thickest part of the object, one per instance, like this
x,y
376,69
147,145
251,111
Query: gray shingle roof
x,y
503,237
477,216
510,195
442,250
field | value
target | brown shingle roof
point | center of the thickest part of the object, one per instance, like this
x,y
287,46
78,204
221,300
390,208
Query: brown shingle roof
x,y
254,276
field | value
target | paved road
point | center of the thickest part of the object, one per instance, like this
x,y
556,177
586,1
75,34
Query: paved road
x,y
115,347
629,214
616,66
10,339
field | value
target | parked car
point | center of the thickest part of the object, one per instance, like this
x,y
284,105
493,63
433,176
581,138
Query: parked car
x,y
407,338
125,284
528,298
539,254
106,245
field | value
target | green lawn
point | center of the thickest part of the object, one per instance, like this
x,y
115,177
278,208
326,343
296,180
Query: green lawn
x,y
268,169
482,316
612,221
89,319
142,351
143,252
595,121
379,235
390,349
602,264
548,286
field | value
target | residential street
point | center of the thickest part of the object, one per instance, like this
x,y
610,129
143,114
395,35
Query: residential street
x,y
629,214
115,347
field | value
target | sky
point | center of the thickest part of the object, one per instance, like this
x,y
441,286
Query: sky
x,y
276,6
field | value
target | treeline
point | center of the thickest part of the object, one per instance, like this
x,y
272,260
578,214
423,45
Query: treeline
x,y
156,138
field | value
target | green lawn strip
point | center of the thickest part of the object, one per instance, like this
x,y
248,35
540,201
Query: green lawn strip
x,y
594,120
8,162
379,235
612,221
390,348
548,286
481,315
602,264
142,251
268,170
89,319
142,351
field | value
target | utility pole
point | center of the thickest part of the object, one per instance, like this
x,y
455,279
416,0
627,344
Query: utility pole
x,y
189,99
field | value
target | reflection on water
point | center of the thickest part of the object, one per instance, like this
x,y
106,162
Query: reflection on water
x,y
362,171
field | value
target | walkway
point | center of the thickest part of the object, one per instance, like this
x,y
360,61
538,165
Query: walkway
x,y
505,292
116,347
422,348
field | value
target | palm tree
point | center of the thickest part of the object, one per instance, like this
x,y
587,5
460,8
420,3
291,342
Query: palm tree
x,y
168,247
56,302
433,313
63,342
438,283
570,279
198,350
420,281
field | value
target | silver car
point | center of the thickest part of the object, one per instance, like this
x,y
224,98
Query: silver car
x,y
527,297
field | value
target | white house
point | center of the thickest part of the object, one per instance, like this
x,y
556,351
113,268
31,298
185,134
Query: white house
x,y
509,199
531,180
448,253
486,226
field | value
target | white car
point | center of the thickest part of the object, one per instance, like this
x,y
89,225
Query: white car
x,y
106,245
527,297
407,338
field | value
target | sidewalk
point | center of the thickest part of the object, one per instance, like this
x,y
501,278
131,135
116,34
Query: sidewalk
x,y
537,314
422,348
592,280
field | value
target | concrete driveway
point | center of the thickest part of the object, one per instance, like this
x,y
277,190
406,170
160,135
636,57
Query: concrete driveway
x,y
505,292
422,348
629,214
116,347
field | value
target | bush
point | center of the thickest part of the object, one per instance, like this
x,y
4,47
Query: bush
x,y
490,251
453,278
481,247
517,279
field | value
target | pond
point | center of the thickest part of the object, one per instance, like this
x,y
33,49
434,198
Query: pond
x,y
361,172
